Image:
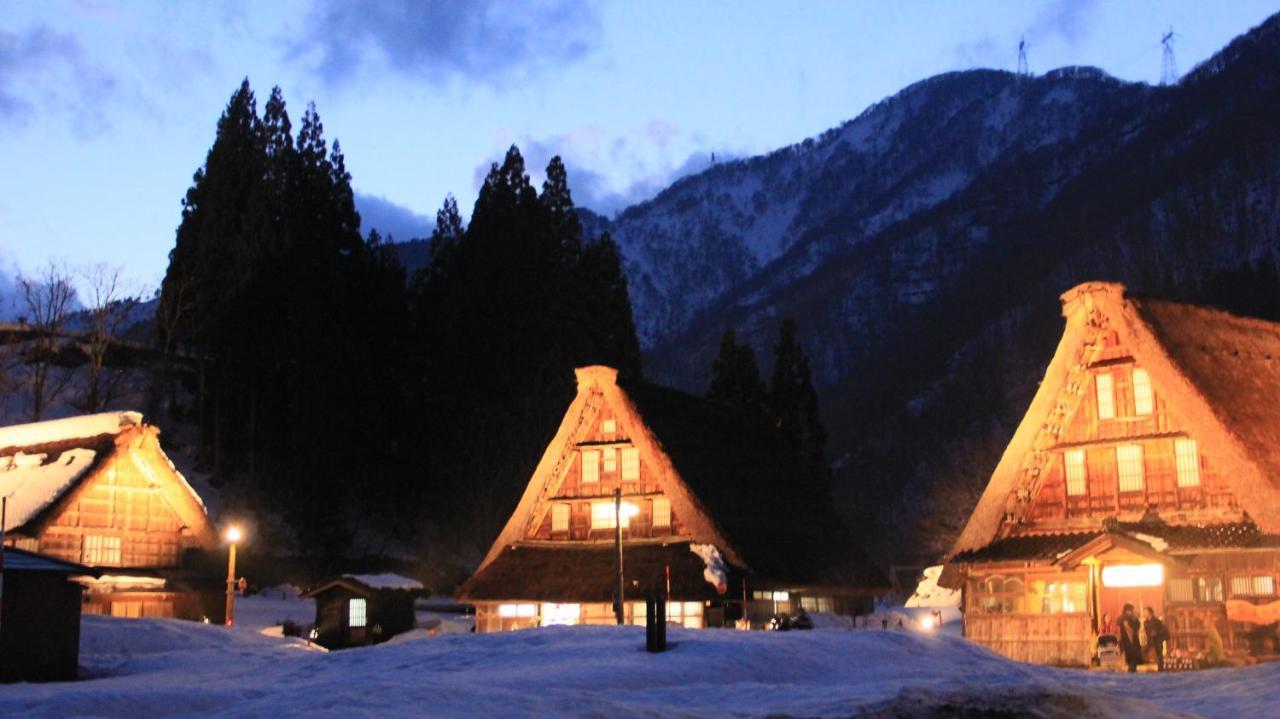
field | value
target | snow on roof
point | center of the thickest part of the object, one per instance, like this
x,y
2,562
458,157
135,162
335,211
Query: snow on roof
x,y
386,581
929,594
58,430
31,485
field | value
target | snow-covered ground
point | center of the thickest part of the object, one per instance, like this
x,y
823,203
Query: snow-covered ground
x,y
143,667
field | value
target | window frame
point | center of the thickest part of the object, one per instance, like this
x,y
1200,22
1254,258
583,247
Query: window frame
x,y
1110,395
1080,482
590,459
362,616
629,462
1138,461
665,504
1186,467
1144,397
561,510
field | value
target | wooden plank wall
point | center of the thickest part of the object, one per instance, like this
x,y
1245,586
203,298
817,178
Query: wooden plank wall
x,y
1057,639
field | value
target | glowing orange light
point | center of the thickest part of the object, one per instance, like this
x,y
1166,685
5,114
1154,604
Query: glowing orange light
x,y
233,534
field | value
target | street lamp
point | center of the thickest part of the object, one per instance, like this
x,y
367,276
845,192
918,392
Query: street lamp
x,y
233,536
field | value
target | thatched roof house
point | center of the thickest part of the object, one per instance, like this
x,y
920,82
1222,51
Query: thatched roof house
x,y
696,477
99,490
1150,443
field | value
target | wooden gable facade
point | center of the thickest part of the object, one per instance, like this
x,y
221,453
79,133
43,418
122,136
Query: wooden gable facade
x,y
693,476
98,490
1144,472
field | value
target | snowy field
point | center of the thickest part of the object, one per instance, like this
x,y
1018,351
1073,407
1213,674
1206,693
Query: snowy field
x,y
172,668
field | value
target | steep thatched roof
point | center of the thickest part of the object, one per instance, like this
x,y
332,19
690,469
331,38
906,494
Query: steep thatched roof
x,y
1219,373
733,480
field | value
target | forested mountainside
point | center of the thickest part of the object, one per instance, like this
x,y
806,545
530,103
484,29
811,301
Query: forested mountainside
x,y
923,245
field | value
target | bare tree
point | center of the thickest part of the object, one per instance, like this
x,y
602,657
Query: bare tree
x,y
110,301
48,299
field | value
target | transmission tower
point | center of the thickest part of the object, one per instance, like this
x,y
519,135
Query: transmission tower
x,y
1023,70
1169,66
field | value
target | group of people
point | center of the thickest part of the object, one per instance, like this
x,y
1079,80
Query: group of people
x,y
1135,635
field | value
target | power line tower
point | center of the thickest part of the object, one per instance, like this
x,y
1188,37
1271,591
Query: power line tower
x,y
1023,70
1169,66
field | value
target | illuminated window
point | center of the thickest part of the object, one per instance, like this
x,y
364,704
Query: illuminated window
x,y
687,614
661,512
603,514
27,543
1074,459
559,517
1059,597
560,614
1129,464
630,464
510,611
590,466
1143,401
1259,585
1209,589
610,460
1180,590
1133,575
1188,460
609,426
100,549
1106,396
356,616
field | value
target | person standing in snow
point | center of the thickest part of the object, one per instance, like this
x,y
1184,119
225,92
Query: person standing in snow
x,y
1157,635
1130,638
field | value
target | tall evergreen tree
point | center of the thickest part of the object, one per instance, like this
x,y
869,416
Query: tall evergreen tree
x,y
794,404
735,377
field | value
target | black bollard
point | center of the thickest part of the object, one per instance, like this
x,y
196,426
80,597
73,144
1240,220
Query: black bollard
x,y
655,623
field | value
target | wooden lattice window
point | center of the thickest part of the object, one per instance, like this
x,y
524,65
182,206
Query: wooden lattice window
x,y
1188,460
1257,585
1077,478
609,426
100,550
1143,399
590,466
610,460
1106,396
1129,465
357,612
559,517
630,464
661,512
1209,589
1181,590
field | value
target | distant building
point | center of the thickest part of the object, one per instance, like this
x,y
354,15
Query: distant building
x,y
713,515
40,618
1146,471
98,490
355,610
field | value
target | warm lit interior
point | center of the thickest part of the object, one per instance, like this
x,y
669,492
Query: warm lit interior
x,y
1133,575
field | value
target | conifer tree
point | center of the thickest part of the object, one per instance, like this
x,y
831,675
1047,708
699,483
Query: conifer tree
x,y
794,404
735,377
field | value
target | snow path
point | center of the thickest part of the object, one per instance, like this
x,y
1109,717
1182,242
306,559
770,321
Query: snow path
x,y
171,668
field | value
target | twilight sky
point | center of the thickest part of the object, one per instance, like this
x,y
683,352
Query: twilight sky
x,y
107,107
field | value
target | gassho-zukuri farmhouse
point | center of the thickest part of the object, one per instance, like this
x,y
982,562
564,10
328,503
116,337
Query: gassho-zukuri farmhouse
x,y
1146,471
712,521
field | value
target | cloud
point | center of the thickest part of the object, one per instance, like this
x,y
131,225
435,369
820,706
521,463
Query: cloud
x,y
52,66
1064,19
391,219
491,41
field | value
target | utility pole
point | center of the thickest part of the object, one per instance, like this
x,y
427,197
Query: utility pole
x,y
617,541
1168,65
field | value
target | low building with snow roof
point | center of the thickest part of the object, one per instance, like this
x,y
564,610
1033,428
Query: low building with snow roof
x,y
710,513
1145,472
355,610
99,490
39,617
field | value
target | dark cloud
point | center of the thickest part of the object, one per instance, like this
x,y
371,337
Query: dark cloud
x,y
391,219
491,41
1066,19
592,189
49,65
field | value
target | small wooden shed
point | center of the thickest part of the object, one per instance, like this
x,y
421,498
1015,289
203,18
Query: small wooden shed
x,y
355,610
40,617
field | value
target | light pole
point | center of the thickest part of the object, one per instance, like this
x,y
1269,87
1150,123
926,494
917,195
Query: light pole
x,y
233,536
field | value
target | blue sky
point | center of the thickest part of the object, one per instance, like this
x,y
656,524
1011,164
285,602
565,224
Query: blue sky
x,y
107,107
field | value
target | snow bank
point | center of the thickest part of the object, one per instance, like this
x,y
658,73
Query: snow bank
x,y
147,667
386,581
929,594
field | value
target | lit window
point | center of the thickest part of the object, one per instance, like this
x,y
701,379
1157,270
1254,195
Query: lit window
x,y
1143,401
559,517
356,612
1133,575
1129,463
661,512
554,614
1188,460
610,460
603,514
781,596
1209,589
630,464
1075,472
100,549
1260,585
1180,590
1106,396
687,614
509,611
590,466
609,426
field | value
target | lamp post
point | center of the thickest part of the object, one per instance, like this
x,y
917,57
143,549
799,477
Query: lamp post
x,y
233,536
